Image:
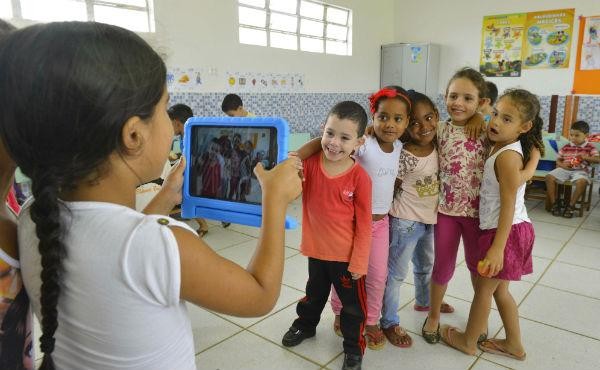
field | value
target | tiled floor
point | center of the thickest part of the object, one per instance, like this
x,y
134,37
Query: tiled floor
x,y
558,304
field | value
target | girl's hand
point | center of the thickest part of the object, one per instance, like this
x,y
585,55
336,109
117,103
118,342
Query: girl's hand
x,y
475,126
282,183
356,276
298,163
170,193
495,261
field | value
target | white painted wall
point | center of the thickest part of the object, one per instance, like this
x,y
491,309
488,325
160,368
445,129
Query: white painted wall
x,y
456,26
204,34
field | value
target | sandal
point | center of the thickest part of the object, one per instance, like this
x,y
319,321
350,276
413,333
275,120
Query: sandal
x,y
493,346
482,337
556,209
375,339
568,213
445,334
396,335
431,337
445,308
337,326
201,232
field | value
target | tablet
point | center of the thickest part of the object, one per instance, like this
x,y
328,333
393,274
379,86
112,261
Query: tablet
x,y
221,153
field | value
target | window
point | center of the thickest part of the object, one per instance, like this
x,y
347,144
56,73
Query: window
x,y
136,15
305,25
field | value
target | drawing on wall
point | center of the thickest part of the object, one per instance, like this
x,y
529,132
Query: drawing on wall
x,y
184,79
590,47
548,39
264,82
501,45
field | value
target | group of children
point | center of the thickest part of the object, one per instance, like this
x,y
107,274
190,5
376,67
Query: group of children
x,y
110,288
421,196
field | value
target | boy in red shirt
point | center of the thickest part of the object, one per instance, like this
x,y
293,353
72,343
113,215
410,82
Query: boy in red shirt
x,y
336,232
572,164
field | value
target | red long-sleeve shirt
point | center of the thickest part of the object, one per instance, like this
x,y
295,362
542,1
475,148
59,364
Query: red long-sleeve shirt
x,y
336,215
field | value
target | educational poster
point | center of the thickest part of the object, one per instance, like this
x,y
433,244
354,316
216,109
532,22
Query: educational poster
x,y
184,79
548,39
264,82
590,48
501,45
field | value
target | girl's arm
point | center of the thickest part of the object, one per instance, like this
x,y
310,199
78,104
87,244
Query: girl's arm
x,y
309,148
529,170
507,166
218,284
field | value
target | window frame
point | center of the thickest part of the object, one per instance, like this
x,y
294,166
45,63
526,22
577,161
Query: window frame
x,y
267,28
148,10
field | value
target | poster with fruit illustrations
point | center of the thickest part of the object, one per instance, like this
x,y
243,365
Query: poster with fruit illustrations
x,y
501,44
548,36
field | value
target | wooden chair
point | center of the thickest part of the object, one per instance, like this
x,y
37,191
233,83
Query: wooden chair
x,y
585,199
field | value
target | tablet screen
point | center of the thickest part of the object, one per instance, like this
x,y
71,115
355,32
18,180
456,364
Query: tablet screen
x,y
223,157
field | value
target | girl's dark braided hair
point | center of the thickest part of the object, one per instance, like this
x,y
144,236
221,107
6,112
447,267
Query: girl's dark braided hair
x,y
72,86
529,107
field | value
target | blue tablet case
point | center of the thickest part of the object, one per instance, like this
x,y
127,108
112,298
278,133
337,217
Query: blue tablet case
x,y
226,210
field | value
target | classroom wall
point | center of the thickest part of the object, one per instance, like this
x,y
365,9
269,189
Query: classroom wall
x,y
205,34
456,26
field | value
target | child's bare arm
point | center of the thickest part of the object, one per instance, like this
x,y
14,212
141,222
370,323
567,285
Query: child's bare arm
x,y
214,282
170,194
309,148
591,159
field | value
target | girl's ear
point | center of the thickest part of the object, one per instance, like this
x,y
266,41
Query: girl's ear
x,y
526,126
360,141
133,134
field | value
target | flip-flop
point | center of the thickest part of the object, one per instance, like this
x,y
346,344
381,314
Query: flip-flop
x,y
375,339
431,337
337,326
399,337
202,232
445,308
492,346
445,331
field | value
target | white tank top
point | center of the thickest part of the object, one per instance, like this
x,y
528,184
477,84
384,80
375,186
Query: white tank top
x,y
489,201
382,167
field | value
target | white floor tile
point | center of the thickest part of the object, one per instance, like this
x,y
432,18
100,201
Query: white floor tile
x,y
421,355
242,253
590,238
483,364
295,272
581,255
551,348
591,223
563,310
553,231
322,348
208,329
219,238
540,214
545,247
580,280
539,266
248,351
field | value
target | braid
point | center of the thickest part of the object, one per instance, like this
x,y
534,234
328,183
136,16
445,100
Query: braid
x,y
45,212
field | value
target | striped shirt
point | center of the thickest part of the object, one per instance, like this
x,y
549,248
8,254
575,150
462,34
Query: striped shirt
x,y
571,151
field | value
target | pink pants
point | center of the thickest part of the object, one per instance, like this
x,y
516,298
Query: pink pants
x,y
376,274
447,234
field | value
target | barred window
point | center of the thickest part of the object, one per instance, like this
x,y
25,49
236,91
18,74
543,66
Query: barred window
x,y
136,15
304,25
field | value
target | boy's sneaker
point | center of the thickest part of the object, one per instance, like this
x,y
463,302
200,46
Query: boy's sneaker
x,y
352,362
295,336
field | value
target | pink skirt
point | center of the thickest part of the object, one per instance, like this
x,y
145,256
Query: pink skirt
x,y
517,253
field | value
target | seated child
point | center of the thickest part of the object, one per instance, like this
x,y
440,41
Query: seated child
x,y
233,106
572,164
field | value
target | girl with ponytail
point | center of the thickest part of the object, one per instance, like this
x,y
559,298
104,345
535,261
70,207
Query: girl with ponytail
x,y
86,119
